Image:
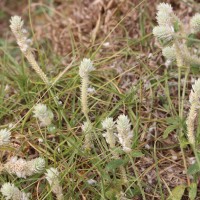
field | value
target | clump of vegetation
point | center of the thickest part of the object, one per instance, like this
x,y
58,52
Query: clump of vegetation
x,y
96,149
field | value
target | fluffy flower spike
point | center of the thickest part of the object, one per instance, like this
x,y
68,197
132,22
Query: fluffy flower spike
x,y
194,107
109,125
16,25
10,192
52,177
169,53
165,14
125,134
44,114
195,23
87,130
23,168
86,67
165,7
4,136
164,33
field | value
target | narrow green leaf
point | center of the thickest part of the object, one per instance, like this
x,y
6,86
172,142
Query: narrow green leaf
x,y
193,191
168,130
193,169
177,193
114,164
137,154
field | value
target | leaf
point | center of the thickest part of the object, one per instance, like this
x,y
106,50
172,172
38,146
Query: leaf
x,y
173,120
137,154
193,191
190,40
114,164
177,193
193,169
168,130
176,26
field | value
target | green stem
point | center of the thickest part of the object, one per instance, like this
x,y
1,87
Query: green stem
x,y
137,178
196,155
181,101
59,108
122,169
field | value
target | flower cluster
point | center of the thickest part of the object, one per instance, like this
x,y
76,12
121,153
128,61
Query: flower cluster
x,y
52,177
87,129
109,125
124,132
164,33
44,114
169,53
10,192
194,107
4,136
23,168
86,67
166,21
195,23
16,25
170,31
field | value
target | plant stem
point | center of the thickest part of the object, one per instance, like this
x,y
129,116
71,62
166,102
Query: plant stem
x,y
179,60
137,178
121,168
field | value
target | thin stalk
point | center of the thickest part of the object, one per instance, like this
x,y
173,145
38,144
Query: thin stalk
x,y
181,101
196,155
59,108
122,169
157,168
137,178
84,97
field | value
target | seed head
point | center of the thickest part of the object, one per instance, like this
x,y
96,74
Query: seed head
x,y
169,53
44,114
164,33
10,192
4,136
86,67
195,23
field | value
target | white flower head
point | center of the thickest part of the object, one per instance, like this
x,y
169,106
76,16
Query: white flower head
x,y
86,127
165,14
16,23
196,86
4,136
195,23
52,177
86,67
10,192
22,168
165,33
36,165
165,7
123,123
109,125
169,53
44,114
125,134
